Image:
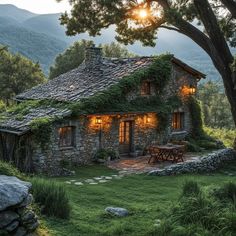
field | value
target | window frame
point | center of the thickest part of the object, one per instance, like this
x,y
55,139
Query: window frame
x,y
145,89
68,131
178,121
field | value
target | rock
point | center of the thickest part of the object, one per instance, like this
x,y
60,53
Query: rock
x,y
21,231
7,217
11,227
12,191
117,211
103,181
27,201
28,216
32,227
89,181
79,183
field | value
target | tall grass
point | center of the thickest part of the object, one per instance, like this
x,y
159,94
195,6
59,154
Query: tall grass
x,y
200,212
9,170
51,197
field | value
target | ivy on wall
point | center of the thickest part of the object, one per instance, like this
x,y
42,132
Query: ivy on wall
x,y
113,99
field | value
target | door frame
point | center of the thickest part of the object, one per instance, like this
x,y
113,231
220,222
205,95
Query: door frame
x,y
131,135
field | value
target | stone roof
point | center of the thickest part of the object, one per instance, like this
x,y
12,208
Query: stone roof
x,y
79,83
83,83
21,125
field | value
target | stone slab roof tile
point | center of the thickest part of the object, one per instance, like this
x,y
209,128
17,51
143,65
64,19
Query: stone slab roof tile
x,y
14,124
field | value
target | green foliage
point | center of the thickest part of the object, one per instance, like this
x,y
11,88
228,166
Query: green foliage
x,y
199,139
191,188
105,154
42,129
215,106
227,136
17,74
196,117
114,99
8,169
226,193
51,197
69,59
198,212
75,54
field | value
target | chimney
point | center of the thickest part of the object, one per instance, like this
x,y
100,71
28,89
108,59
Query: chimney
x,y
93,57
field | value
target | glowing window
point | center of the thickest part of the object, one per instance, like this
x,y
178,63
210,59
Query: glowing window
x,y
66,136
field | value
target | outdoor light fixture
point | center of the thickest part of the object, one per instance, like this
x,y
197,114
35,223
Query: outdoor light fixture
x,y
148,119
98,120
192,90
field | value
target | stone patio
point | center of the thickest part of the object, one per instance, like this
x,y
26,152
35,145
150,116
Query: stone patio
x,y
140,164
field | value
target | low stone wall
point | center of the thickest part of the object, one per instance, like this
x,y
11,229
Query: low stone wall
x,y
16,216
208,163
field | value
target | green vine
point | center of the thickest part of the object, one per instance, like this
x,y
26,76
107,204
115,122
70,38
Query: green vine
x,y
113,99
42,129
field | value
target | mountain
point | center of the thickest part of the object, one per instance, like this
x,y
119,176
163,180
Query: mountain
x,y
41,38
11,11
38,47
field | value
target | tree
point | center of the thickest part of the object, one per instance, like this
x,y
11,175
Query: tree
x,y
215,106
141,19
70,59
17,74
75,54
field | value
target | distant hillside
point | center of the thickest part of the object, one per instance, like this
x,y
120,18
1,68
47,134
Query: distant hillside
x,y
11,11
41,38
36,46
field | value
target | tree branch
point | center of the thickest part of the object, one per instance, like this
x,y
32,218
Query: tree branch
x,y
170,28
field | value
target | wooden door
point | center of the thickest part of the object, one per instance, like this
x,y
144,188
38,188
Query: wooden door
x,y
125,137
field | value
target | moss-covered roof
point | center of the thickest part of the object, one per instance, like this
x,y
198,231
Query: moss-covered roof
x,y
83,91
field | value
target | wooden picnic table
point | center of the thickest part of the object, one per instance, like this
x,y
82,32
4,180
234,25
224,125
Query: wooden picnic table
x,y
167,152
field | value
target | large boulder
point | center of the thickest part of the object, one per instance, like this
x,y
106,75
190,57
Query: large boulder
x,y
12,191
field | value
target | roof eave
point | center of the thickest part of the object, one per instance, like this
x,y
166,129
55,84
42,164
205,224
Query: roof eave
x,y
199,75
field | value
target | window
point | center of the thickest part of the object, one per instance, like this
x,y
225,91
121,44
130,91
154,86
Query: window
x,y
178,121
66,136
146,88
124,136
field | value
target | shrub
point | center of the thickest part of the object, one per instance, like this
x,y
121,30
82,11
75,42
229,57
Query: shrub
x,y
105,154
191,188
226,192
9,170
51,197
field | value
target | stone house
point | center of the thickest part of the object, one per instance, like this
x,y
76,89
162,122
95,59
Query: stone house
x,y
126,122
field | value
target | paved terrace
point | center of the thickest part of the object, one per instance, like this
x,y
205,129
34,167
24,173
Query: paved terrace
x,y
140,164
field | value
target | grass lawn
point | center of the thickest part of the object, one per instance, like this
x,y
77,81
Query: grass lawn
x,y
146,197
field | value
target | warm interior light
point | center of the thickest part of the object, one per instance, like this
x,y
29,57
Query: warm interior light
x,y
98,120
192,90
143,13
148,119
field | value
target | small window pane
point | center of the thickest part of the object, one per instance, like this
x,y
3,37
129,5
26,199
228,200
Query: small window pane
x,y
66,136
146,88
178,121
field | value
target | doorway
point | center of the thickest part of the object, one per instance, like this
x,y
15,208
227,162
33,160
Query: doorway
x,y
125,137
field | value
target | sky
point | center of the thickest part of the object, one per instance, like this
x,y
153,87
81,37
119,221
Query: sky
x,y
39,6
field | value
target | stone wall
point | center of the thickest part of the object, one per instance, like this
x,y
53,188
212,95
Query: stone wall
x,y
87,131
16,215
208,163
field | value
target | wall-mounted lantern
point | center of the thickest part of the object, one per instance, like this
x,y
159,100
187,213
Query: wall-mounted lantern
x,y
192,90
98,120
148,119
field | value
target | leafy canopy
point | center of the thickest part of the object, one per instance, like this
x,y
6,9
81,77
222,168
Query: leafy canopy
x,y
140,19
75,54
17,74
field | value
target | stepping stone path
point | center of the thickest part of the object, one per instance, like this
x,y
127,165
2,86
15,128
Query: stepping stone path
x,y
98,180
